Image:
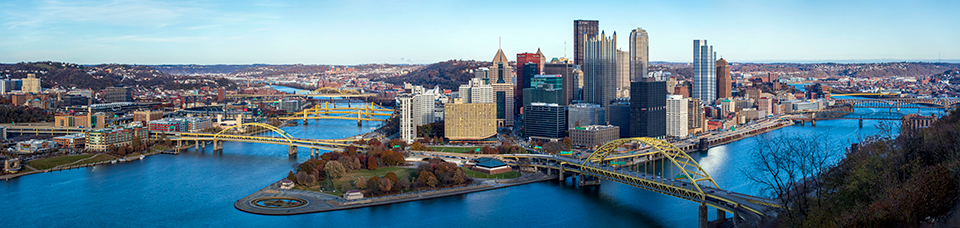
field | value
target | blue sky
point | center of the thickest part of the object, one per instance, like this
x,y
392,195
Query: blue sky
x,y
359,31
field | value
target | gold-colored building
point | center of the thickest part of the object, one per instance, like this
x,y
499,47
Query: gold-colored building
x,y
472,121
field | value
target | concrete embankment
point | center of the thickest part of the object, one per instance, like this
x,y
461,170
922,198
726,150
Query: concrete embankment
x,y
315,202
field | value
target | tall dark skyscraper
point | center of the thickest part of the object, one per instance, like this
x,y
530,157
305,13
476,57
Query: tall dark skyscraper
x,y
648,108
581,27
600,69
566,71
724,84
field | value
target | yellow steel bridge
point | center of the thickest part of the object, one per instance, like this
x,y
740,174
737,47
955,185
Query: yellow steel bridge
x,y
315,145
323,111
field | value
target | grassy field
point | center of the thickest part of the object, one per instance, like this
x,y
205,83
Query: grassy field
x,y
453,149
47,163
475,174
365,174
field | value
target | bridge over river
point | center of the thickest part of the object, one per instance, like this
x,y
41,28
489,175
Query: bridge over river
x,y
691,183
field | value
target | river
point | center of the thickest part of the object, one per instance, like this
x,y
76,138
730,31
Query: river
x,y
198,190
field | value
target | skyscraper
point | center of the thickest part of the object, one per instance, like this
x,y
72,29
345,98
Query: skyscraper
x,y
639,54
677,116
501,77
704,72
648,112
600,69
581,29
724,86
623,74
565,70
528,65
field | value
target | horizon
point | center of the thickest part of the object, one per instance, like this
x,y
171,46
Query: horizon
x,y
865,61
146,32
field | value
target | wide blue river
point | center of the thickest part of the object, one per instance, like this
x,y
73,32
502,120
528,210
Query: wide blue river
x,y
198,190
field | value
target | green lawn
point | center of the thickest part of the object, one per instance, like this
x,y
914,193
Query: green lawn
x,y
448,149
47,163
507,175
366,175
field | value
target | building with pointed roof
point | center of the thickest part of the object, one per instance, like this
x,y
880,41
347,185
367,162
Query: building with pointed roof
x,y
501,78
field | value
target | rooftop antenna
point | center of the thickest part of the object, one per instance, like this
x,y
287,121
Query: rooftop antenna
x,y
499,42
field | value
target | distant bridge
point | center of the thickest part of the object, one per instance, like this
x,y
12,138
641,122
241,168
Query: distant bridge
x,y
315,145
323,111
897,103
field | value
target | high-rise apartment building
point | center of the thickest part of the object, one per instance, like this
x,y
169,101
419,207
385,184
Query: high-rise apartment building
x,y
476,91
696,118
724,84
416,108
648,112
704,72
582,29
623,74
31,84
600,69
677,116
565,70
639,54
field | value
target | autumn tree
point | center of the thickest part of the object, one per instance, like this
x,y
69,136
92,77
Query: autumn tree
x,y
385,185
391,175
371,163
334,170
361,183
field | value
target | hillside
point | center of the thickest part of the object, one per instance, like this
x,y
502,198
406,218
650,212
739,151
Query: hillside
x,y
194,69
69,75
448,75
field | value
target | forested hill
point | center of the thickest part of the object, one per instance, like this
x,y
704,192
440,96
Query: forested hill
x,y
69,75
448,75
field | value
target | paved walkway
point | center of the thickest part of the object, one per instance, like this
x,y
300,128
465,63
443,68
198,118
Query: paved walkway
x,y
320,202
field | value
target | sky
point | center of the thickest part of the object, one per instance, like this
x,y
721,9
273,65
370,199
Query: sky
x,y
359,31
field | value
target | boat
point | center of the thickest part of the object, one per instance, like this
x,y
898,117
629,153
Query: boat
x,y
141,157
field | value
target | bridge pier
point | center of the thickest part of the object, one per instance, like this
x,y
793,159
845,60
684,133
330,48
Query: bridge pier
x,y
813,123
196,145
217,146
721,216
561,174
292,151
587,180
703,215
861,123
802,122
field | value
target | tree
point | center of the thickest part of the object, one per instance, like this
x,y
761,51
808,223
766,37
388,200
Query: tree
x,y
459,177
385,185
291,176
111,148
304,178
122,151
334,170
782,166
428,178
137,144
568,142
361,183
347,163
390,175
373,184
346,186
371,163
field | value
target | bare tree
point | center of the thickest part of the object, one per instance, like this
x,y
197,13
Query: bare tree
x,y
787,167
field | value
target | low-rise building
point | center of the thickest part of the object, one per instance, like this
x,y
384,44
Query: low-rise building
x,y
101,139
74,141
145,116
35,145
353,195
594,135
490,166
187,124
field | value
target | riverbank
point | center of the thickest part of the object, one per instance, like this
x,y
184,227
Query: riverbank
x,y
316,202
70,166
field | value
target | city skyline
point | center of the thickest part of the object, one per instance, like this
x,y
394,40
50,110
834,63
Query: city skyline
x,y
150,32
